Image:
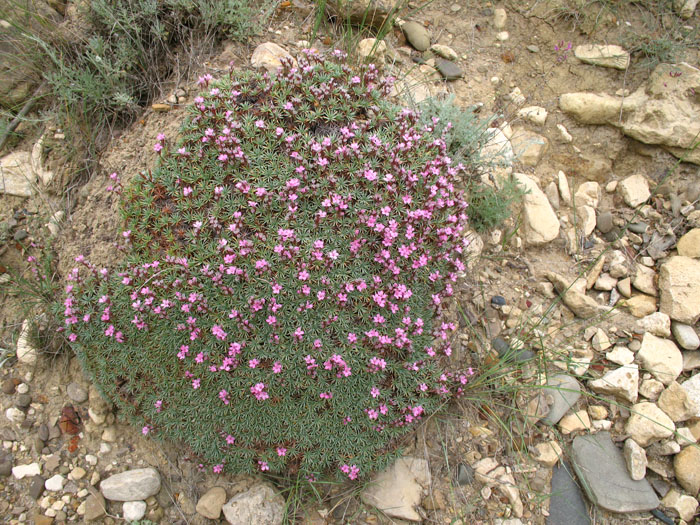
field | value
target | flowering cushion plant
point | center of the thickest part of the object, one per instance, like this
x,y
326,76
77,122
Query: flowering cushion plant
x,y
278,307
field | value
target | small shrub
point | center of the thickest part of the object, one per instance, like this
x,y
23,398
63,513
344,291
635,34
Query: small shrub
x,y
101,79
286,265
464,134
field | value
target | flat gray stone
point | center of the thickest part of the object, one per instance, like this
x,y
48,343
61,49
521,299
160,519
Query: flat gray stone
x,y
448,69
566,504
601,468
566,391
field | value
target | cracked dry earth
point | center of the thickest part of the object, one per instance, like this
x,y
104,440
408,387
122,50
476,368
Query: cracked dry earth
x,y
582,307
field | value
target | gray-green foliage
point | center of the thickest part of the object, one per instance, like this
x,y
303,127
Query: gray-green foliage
x,y
465,133
103,76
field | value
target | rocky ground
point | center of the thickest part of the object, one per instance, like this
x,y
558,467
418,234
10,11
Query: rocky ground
x,y
585,302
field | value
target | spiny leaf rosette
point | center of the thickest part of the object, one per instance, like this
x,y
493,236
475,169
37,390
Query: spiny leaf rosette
x,y
286,264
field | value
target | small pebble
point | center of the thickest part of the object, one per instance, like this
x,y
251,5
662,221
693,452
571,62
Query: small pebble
x,y
638,227
533,48
448,69
22,388
43,432
500,346
8,386
498,300
23,401
36,487
20,235
604,222
76,393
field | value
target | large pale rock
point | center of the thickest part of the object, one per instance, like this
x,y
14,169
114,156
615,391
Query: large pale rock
x,y
585,220
268,56
26,352
640,305
260,504
685,336
648,423
547,454
28,470
644,279
575,422
132,485
661,357
209,505
587,194
372,49
445,52
541,223
689,244
658,324
528,146
686,465
677,404
682,504
636,459
685,8
692,387
579,303
634,190
535,114
134,510
16,174
660,112
621,382
397,491
603,55
679,284
368,13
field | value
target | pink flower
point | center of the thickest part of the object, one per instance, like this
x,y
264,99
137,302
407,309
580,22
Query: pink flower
x,y
145,430
281,451
263,465
230,440
258,390
276,367
352,337
352,471
187,190
260,124
223,395
218,332
218,468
